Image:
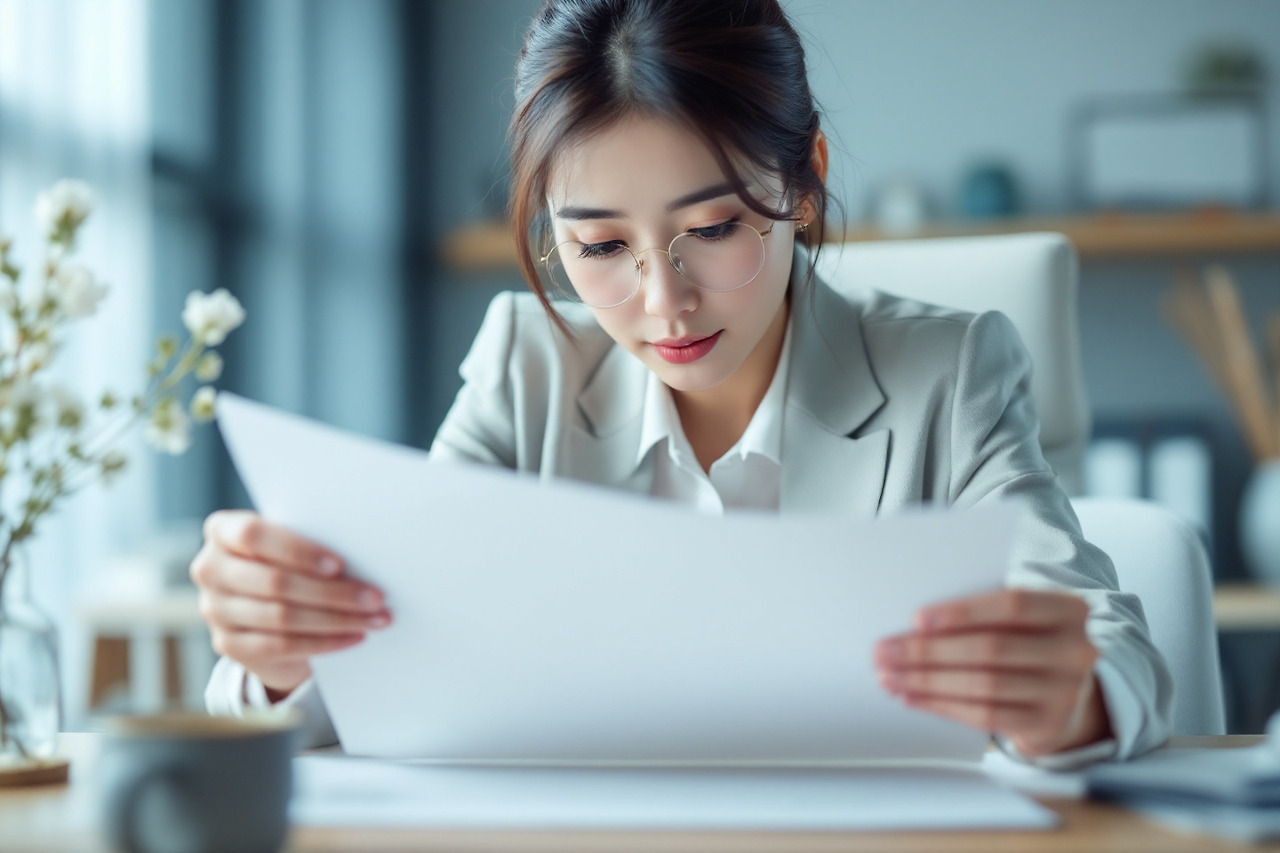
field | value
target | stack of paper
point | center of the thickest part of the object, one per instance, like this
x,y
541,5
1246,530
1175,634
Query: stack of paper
x,y
1230,792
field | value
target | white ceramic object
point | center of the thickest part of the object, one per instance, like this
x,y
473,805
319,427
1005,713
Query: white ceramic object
x,y
1260,523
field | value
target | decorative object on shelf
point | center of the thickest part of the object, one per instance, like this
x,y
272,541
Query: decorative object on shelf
x,y
1225,69
1260,522
1212,319
988,191
53,444
1161,153
899,206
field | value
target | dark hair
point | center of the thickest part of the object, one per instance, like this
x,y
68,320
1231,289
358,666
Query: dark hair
x,y
732,71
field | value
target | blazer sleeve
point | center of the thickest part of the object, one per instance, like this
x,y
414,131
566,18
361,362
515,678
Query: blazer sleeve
x,y
995,456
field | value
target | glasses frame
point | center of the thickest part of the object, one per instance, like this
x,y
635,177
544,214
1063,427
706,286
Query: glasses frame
x,y
545,260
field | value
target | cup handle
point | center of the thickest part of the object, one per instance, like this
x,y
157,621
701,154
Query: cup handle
x,y
125,803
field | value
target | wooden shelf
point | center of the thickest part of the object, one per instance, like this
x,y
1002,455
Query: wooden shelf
x,y
1246,607
488,246
1120,235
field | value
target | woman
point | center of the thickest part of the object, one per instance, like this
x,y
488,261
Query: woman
x,y
668,158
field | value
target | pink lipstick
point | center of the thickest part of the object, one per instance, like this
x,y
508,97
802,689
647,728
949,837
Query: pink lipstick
x,y
685,350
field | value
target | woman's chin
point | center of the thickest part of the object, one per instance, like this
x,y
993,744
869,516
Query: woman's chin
x,y
689,378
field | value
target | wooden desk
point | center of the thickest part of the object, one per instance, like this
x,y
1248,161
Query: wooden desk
x,y
60,818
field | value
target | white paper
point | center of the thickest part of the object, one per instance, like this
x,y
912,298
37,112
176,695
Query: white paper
x,y
354,792
556,622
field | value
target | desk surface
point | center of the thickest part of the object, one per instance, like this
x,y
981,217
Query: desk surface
x,y
60,818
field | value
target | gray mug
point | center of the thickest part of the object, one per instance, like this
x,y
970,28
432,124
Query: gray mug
x,y
197,784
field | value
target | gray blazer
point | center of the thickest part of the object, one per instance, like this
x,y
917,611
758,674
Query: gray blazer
x,y
890,403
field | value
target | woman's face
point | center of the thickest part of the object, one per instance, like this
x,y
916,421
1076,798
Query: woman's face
x,y
632,183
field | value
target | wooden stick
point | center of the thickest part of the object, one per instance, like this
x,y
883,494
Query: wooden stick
x,y
1243,365
1273,344
1189,312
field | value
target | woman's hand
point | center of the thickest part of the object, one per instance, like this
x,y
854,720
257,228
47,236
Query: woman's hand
x,y
1015,662
273,599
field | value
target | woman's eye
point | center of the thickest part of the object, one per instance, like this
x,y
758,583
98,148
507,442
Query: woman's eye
x,y
600,250
714,232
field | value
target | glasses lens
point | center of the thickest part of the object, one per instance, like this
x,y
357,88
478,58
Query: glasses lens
x,y
598,274
721,257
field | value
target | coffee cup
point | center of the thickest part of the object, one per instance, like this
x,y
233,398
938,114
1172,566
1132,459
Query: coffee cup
x,y
198,784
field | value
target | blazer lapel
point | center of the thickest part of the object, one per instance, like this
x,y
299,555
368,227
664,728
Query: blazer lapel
x,y
832,392
827,466
603,448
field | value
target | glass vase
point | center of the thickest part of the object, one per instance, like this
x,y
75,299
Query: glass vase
x,y
30,689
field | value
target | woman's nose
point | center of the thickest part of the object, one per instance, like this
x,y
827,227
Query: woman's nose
x,y
666,293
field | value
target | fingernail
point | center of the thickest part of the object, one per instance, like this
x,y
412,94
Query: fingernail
x,y
329,565
928,620
891,650
382,620
369,598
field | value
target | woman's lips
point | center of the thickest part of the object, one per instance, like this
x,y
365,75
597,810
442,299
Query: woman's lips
x,y
685,350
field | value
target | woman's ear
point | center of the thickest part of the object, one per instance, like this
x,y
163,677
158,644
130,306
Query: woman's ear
x,y
818,159
817,162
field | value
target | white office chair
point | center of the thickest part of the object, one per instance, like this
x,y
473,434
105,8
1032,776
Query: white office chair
x,y
1160,558
1032,278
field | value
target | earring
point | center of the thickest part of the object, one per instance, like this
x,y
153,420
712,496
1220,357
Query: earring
x,y
804,226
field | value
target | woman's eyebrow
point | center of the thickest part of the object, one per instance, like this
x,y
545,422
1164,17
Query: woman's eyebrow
x,y
705,194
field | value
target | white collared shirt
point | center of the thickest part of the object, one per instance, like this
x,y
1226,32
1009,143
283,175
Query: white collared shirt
x,y
747,476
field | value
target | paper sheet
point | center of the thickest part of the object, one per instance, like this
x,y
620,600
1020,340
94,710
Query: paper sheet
x,y
556,622
353,792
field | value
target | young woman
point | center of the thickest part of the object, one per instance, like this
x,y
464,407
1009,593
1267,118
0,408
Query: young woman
x,y
667,160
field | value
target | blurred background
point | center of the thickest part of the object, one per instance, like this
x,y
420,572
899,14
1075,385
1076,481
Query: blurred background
x,y
339,165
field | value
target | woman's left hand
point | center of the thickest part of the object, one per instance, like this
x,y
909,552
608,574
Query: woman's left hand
x,y
1016,662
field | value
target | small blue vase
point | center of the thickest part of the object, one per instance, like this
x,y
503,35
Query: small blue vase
x,y
989,192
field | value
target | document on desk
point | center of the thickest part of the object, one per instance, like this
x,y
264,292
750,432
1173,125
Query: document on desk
x,y
357,792
553,622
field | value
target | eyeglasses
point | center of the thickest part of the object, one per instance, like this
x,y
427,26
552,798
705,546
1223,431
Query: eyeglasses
x,y
605,275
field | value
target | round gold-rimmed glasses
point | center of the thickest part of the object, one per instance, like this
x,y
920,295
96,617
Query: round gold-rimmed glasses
x,y
605,275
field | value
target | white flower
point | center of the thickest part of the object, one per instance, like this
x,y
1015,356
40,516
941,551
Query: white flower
x,y
210,316
67,408
111,464
170,429
76,292
67,203
209,367
202,404
21,412
36,355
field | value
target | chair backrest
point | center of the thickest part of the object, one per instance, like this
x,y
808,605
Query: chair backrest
x,y
1160,558
1029,277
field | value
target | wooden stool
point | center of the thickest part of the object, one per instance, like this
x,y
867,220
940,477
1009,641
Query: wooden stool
x,y
157,646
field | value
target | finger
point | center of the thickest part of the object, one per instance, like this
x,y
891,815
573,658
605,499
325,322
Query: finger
x,y
989,649
253,614
1009,720
254,647
1016,608
246,534
238,576
981,685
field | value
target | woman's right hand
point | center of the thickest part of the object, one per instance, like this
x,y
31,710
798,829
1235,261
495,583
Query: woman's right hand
x,y
273,599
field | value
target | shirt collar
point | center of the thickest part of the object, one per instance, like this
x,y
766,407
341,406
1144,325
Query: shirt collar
x,y
763,436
